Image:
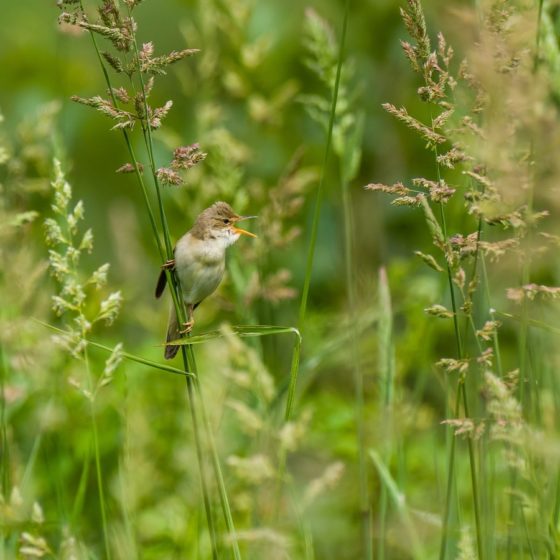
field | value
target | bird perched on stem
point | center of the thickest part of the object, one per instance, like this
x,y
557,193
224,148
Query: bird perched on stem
x,y
200,261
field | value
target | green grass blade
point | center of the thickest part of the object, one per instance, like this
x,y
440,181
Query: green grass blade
x,y
249,331
531,322
399,502
243,331
126,355
78,504
349,165
5,482
294,370
320,189
386,390
385,340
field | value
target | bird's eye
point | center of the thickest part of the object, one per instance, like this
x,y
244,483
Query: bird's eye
x,y
226,221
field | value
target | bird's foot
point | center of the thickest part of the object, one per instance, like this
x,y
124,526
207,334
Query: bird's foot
x,y
187,327
169,264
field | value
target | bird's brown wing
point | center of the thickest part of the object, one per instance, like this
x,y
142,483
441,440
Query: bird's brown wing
x,y
162,280
161,283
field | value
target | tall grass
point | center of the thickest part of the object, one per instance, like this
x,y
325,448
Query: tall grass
x,y
413,409
346,128
386,368
120,29
463,135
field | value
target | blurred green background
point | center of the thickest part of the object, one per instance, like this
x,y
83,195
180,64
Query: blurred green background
x,y
42,64
240,98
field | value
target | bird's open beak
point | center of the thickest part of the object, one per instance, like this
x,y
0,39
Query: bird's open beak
x,y
243,231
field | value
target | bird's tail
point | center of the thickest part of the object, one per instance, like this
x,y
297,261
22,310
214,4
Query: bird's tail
x,y
172,334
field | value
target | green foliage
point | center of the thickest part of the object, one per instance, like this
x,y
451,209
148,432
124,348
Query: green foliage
x,y
416,414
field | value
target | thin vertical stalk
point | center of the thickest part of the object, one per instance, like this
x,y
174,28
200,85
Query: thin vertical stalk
x,y
482,504
82,486
128,143
30,465
499,369
224,500
94,428
3,425
282,455
474,480
538,35
454,306
173,284
484,456
320,189
186,354
525,396
200,460
470,444
4,448
555,518
460,386
294,367
556,509
97,456
400,505
526,531
148,141
386,374
450,481
365,502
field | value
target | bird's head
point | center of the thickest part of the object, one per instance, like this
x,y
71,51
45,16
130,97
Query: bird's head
x,y
219,222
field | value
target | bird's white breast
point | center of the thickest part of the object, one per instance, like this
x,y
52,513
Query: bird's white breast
x,y
200,265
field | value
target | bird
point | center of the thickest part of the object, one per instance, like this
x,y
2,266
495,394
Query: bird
x,y
199,263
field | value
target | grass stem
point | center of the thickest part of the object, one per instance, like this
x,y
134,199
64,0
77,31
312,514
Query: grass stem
x,y
386,375
4,444
97,455
321,187
462,388
6,483
172,279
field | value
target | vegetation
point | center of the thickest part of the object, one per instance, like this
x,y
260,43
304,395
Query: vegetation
x,y
375,377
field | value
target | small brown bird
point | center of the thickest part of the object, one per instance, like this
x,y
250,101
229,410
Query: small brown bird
x,y
200,261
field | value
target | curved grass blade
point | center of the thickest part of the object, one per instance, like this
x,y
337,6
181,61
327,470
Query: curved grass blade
x,y
243,331
126,355
248,331
399,501
531,322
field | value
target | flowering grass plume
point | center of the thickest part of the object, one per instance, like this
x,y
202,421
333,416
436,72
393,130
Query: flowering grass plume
x,y
249,397
77,300
129,104
28,519
484,139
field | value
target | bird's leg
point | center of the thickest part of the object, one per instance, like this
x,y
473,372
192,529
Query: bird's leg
x,y
168,265
187,327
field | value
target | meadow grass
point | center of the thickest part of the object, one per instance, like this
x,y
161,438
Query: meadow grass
x,y
179,305
113,28
411,412
488,204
